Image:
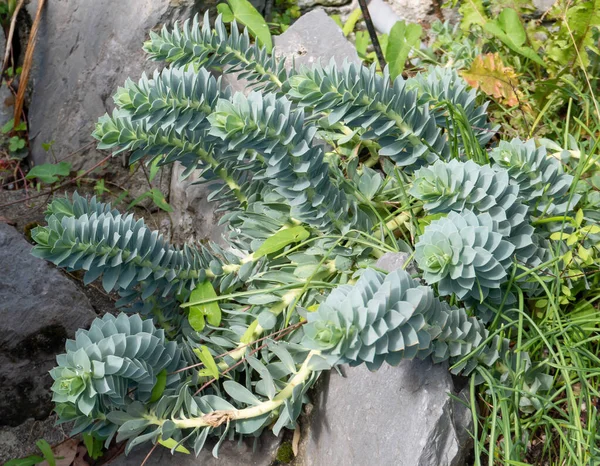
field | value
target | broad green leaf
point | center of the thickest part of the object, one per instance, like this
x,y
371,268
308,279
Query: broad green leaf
x,y
170,444
154,168
245,13
473,13
159,199
210,366
159,386
93,446
10,126
361,42
494,28
226,13
49,172
510,22
196,319
280,240
211,311
46,450
403,37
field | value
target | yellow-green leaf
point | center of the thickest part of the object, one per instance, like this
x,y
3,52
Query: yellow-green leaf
x,y
248,335
402,39
225,12
170,443
579,217
350,24
245,13
204,291
210,366
584,253
159,386
280,240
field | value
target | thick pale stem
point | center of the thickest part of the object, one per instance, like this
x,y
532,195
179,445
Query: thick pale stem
x,y
216,418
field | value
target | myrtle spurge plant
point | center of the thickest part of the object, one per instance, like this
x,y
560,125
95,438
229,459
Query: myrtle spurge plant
x,y
231,337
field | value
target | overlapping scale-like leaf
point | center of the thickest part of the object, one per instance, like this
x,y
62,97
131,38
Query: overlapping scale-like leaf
x,y
191,43
117,360
390,318
445,91
364,100
465,255
166,117
291,162
123,251
542,183
455,186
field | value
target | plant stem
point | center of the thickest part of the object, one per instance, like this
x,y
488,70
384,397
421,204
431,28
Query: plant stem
x,y
216,418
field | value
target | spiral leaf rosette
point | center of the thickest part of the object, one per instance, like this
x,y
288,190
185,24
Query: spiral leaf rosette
x,y
465,255
455,186
116,357
541,180
391,318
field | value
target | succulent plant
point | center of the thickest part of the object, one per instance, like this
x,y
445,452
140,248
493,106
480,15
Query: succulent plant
x,y
455,186
445,91
303,235
118,360
464,254
391,318
543,185
366,101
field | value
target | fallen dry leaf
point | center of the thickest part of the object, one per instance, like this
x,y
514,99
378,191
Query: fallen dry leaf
x,y
489,74
64,453
80,458
296,439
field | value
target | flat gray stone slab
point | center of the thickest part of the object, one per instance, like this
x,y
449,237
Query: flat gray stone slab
x,y
397,416
39,309
34,295
84,52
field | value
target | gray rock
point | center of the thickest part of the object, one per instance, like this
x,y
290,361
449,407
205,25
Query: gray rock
x,y
314,37
391,261
7,108
18,442
397,416
412,11
230,454
543,5
194,217
39,309
383,12
84,51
